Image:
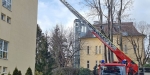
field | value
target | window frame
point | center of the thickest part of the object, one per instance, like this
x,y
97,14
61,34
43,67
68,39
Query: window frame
x,y
100,50
88,50
96,50
2,51
125,49
99,61
7,4
96,62
0,68
8,20
83,29
88,64
4,70
3,16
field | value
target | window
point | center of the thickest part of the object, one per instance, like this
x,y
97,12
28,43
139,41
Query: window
x,y
99,49
88,64
8,20
99,61
96,62
96,51
78,60
124,33
3,49
0,69
101,27
3,16
88,51
94,35
83,29
125,48
7,4
4,69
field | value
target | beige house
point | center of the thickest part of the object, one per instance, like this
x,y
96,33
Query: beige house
x,y
92,51
18,25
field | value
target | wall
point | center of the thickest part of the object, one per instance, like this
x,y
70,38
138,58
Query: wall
x,y
92,57
20,34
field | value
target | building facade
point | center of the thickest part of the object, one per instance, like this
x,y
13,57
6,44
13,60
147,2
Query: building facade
x,y
17,35
92,49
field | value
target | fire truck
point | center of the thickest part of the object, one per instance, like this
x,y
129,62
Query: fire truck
x,y
124,66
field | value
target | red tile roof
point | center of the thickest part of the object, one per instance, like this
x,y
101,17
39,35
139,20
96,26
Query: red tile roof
x,y
127,29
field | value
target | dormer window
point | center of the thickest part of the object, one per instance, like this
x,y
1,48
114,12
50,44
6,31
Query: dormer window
x,y
124,34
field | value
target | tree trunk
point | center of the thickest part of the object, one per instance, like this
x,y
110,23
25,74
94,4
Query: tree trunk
x,y
105,53
109,19
111,28
119,22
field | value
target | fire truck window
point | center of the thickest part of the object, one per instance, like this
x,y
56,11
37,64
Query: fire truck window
x,y
111,70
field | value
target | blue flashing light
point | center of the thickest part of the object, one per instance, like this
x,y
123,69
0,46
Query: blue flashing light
x,y
124,62
102,61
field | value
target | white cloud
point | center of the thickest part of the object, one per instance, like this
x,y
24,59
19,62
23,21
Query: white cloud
x,y
54,12
141,11
44,23
42,5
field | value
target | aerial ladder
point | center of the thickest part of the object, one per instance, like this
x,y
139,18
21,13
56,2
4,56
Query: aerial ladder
x,y
119,54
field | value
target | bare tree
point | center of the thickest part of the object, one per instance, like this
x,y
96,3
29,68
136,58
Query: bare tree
x,y
71,48
58,45
62,46
96,7
141,51
124,4
109,10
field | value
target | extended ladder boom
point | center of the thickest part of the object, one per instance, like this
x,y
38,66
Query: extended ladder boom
x,y
120,55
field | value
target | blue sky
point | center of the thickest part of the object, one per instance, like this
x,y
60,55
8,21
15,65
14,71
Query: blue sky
x,y
52,12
